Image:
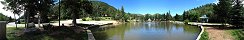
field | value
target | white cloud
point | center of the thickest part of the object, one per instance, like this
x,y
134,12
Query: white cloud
x,y
216,1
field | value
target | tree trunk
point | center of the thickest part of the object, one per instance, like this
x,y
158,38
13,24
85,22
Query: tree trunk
x,y
15,21
74,19
39,20
44,17
25,16
27,19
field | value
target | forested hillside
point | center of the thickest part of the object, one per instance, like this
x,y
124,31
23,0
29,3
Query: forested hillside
x,y
3,17
195,13
100,9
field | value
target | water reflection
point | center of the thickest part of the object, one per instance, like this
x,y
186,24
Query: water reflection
x,y
147,31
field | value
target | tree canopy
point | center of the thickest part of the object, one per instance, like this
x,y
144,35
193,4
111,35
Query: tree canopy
x,y
236,14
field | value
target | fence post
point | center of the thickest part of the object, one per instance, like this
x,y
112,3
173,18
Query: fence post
x,y
3,30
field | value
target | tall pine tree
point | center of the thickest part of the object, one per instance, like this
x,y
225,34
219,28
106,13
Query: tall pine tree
x,y
177,17
222,10
236,17
168,16
186,15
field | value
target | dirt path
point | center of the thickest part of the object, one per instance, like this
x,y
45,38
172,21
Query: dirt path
x,y
218,34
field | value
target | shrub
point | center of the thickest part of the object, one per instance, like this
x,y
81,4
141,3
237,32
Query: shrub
x,y
87,19
186,21
96,19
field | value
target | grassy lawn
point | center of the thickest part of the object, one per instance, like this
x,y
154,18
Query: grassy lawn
x,y
237,33
204,36
12,34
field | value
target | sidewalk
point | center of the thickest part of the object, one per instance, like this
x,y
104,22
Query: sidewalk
x,y
67,22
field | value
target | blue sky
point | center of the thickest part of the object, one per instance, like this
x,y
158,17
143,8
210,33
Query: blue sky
x,y
157,6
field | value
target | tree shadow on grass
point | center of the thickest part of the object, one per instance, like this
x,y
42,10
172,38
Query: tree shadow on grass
x,y
56,34
67,34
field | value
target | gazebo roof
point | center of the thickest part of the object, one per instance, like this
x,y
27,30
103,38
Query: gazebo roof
x,y
204,16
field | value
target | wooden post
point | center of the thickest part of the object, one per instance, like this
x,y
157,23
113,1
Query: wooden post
x,y
3,30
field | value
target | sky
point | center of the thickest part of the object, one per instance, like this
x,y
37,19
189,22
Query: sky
x,y
157,6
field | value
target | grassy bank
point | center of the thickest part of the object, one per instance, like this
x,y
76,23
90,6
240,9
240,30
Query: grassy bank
x,y
204,36
237,33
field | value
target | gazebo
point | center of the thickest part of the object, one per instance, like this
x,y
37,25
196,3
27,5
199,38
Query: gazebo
x,y
204,18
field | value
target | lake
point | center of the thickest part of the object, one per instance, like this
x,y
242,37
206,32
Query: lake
x,y
147,31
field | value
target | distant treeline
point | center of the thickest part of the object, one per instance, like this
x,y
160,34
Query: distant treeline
x,y
3,17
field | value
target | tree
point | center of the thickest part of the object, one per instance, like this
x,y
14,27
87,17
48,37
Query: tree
x,y
237,17
177,17
122,10
13,7
185,15
29,7
118,15
222,10
194,16
77,6
157,16
163,17
168,16
124,15
147,17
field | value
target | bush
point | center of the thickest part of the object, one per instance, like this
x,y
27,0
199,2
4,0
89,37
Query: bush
x,y
96,19
87,19
186,21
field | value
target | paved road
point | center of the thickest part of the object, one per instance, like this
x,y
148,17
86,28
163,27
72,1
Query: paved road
x,y
12,24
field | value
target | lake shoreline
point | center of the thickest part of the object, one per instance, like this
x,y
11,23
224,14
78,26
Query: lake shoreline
x,y
200,26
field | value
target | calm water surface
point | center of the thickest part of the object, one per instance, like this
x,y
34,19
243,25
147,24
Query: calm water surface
x,y
147,31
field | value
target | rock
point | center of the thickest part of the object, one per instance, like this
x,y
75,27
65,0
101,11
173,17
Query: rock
x,y
31,25
47,26
32,31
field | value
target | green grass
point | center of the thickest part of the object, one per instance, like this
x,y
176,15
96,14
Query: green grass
x,y
204,36
64,35
238,34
